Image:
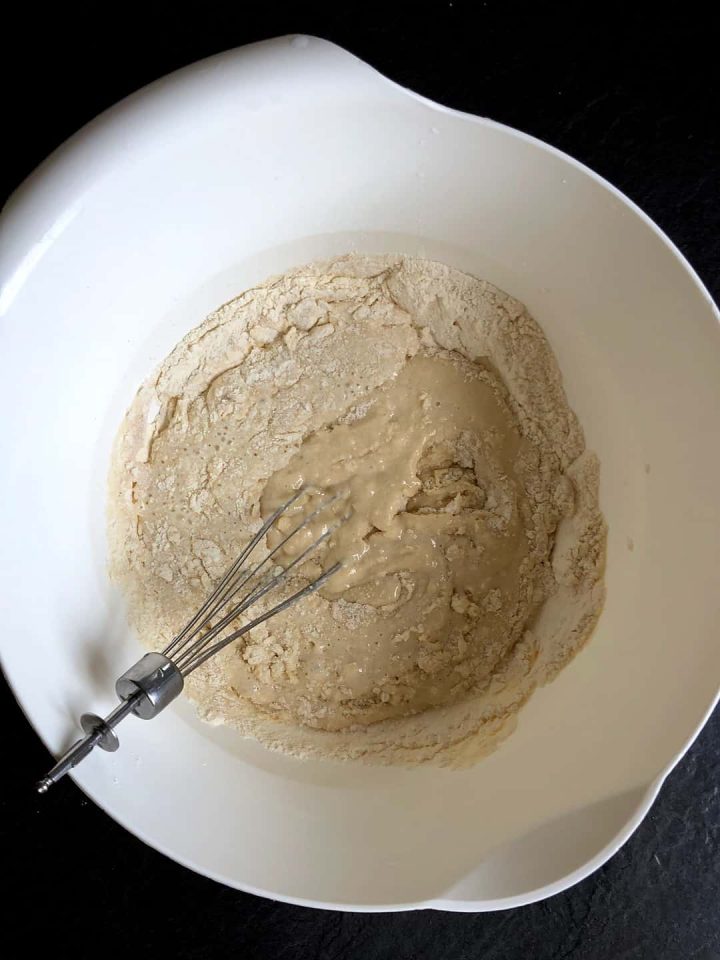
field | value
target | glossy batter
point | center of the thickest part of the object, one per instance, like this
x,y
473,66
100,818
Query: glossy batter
x,y
434,545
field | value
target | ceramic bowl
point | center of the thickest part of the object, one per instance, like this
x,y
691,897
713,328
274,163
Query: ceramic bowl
x,y
243,166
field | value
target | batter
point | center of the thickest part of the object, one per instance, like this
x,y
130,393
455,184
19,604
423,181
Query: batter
x,y
473,546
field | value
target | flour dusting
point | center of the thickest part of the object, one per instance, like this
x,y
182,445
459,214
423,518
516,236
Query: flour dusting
x,y
476,539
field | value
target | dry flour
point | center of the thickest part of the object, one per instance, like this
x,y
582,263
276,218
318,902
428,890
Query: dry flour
x,y
476,539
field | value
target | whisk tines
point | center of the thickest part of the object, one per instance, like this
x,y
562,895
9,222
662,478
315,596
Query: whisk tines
x,y
201,639
157,678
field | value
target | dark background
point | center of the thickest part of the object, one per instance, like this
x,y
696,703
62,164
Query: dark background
x,y
630,92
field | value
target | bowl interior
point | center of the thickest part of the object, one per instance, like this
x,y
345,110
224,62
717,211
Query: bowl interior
x,y
206,183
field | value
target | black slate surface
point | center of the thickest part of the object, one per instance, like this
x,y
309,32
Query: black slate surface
x,y
629,92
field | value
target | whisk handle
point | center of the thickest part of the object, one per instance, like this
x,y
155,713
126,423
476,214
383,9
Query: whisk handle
x,y
145,689
99,732
154,680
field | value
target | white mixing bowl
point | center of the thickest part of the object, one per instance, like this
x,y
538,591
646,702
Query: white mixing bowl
x,y
207,182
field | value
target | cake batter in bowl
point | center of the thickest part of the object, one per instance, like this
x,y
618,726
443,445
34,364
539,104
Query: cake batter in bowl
x,y
429,406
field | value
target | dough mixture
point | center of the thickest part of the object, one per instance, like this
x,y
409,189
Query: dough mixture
x,y
473,546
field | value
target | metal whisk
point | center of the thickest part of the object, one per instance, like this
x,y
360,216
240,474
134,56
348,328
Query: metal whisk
x,y
157,678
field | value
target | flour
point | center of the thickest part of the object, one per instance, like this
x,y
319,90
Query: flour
x,y
479,561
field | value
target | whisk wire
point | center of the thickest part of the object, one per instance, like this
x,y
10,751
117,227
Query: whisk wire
x,y
260,591
228,590
226,582
278,608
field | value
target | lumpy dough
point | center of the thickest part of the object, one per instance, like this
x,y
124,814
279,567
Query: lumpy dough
x,y
472,544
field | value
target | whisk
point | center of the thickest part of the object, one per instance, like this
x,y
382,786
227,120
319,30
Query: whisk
x,y
158,678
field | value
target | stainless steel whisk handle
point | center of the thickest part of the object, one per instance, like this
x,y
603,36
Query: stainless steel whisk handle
x,y
145,689
154,682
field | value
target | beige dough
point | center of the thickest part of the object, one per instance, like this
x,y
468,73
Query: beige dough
x,y
473,546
